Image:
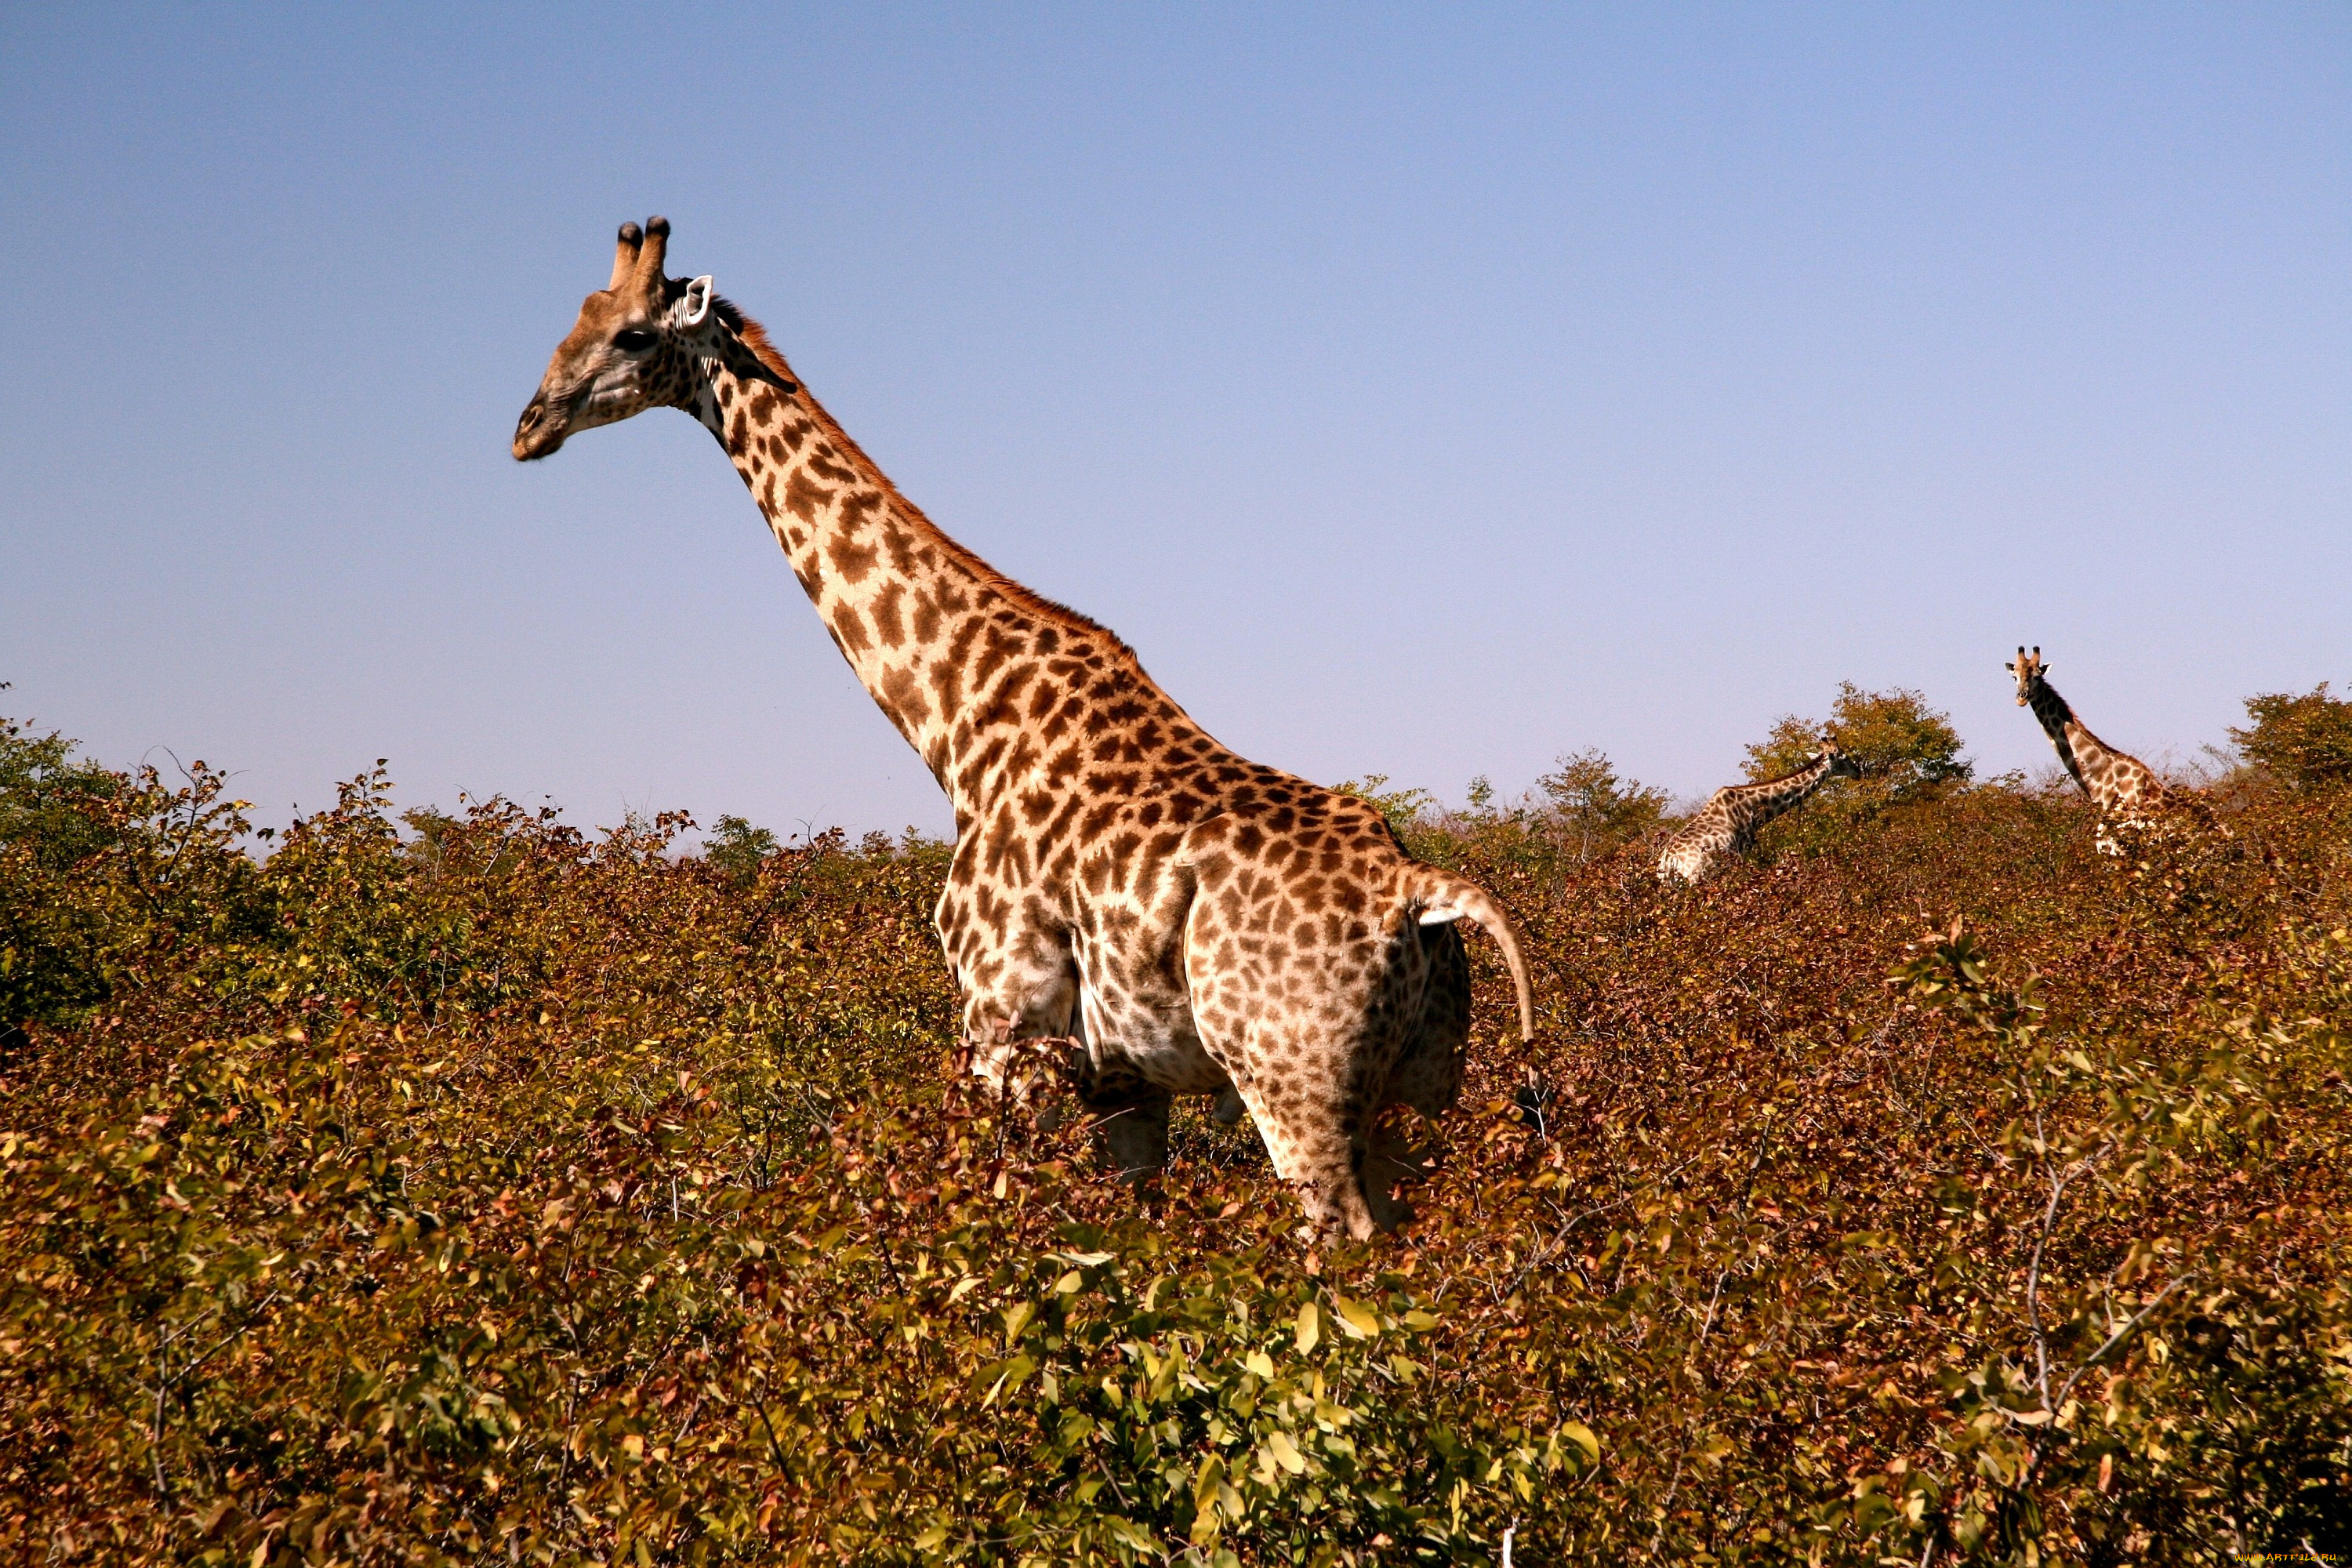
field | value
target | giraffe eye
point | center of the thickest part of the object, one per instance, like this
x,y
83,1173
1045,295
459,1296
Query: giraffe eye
x,y
632,340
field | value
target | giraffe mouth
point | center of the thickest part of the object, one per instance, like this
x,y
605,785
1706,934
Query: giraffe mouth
x,y
541,430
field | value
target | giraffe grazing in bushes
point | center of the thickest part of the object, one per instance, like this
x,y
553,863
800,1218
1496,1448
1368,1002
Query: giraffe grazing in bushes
x,y
1167,917
1727,824
2124,789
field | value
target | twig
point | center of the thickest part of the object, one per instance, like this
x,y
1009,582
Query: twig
x,y
773,1447
1666,1508
2113,1340
2058,1185
156,1441
1746,1194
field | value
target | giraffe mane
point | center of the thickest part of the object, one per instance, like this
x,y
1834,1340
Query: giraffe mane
x,y
755,337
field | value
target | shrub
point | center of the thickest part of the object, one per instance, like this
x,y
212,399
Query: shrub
x,y
1580,811
1596,809
2305,740
549,1198
1909,753
1911,748
738,849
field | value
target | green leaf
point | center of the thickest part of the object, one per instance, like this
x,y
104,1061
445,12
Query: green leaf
x,y
1578,1433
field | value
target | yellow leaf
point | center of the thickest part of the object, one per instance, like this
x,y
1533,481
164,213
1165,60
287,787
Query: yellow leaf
x,y
1310,1328
1205,1483
1285,1452
1259,1362
1357,1319
1578,1433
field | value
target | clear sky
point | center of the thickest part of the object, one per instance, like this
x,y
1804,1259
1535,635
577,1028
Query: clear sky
x,y
1427,391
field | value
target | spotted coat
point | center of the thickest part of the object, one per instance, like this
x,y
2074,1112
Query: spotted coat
x,y
1727,824
1176,918
2124,790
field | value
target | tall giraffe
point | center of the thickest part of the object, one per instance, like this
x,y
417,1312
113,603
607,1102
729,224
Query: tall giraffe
x,y
2120,785
1727,824
1177,919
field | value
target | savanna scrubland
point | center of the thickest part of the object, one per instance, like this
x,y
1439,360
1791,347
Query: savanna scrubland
x,y
424,1187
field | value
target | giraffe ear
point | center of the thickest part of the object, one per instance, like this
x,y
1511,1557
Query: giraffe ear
x,y
694,305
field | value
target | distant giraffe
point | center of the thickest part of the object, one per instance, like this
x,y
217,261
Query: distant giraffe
x,y
1176,918
2124,789
1727,824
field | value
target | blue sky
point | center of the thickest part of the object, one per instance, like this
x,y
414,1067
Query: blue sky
x,y
1421,391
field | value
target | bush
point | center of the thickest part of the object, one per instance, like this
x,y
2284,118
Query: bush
x,y
1580,811
2305,740
738,849
1909,753
1596,809
501,1192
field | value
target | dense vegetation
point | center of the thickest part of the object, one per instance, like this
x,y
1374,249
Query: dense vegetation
x,y
465,1186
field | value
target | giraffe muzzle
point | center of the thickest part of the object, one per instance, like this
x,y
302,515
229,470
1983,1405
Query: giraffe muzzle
x,y
539,431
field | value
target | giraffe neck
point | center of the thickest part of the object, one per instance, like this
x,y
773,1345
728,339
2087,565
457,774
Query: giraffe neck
x,y
1759,804
2075,745
2090,762
949,648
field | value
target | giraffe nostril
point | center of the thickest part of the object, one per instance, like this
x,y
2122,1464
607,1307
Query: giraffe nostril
x,y
533,415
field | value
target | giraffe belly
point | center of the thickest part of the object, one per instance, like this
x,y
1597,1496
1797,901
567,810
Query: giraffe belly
x,y
1147,1027
1153,1038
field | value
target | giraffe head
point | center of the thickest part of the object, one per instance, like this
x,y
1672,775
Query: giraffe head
x,y
1844,764
633,348
2028,671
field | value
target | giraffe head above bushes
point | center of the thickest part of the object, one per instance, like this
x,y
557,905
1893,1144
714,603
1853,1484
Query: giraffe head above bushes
x,y
638,344
2123,787
2028,671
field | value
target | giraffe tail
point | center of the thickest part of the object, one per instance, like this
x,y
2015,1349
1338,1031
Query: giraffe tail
x,y
1436,896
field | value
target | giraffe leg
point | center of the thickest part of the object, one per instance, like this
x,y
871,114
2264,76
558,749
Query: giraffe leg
x,y
1020,986
1132,1134
1428,1075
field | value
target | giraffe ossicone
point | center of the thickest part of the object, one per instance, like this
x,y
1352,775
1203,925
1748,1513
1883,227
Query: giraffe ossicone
x,y
1165,916
1726,827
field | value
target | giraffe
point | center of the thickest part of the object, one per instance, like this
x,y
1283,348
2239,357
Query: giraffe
x,y
1164,916
2124,789
1727,824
